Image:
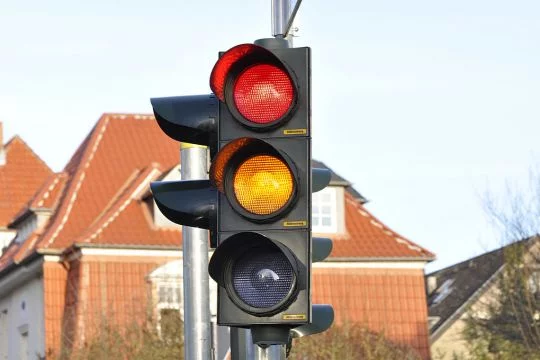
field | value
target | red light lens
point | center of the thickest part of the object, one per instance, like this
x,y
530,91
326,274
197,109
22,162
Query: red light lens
x,y
263,93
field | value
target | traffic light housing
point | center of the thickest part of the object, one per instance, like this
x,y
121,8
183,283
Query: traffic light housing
x,y
262,171
257,201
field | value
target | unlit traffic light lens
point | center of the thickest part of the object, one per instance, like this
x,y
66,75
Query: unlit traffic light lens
x,y
263,93
263,279
263,184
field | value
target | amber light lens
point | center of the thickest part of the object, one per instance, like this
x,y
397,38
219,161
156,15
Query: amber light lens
x,y
263,184
263,93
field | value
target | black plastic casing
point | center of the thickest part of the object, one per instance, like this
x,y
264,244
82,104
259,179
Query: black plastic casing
x,y
291,138
299,311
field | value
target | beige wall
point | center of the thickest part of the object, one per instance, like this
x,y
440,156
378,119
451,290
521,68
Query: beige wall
x,y
449,341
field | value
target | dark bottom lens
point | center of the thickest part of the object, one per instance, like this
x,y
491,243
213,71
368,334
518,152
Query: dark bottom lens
x,y
264,279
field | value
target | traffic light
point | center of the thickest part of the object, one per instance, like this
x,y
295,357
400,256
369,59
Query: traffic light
x,y
262,171
257,201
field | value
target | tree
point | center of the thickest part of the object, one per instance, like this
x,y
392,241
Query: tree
x,y
352,342
508,325
142,341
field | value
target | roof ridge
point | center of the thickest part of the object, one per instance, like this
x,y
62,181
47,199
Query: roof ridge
x,y
57,177
54,179
136,116
86,154
125,197
121,191
18,138
483,255
374,221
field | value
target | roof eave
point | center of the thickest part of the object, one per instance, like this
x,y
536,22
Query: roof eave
x,y
127,246
370,259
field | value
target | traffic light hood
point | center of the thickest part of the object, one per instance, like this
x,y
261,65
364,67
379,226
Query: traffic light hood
x,y
259,90
239,53
191,119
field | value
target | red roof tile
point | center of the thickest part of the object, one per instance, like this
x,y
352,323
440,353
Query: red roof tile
x,y
367,237
115,224
22,174
97,200
118,146
48,196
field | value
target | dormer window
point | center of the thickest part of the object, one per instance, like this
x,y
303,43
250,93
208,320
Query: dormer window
x,y
443,291
324,217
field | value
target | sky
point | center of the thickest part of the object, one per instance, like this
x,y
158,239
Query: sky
x,y
422,105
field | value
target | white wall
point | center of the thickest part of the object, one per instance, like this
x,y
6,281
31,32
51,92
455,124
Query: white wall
x,y
5,238
25,313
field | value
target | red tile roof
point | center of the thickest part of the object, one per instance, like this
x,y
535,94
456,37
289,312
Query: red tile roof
x,y
49,195
367,237
22,174
100,174
99,197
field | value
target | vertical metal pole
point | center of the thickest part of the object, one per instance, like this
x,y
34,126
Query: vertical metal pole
x,y
280,17
197,328
273,352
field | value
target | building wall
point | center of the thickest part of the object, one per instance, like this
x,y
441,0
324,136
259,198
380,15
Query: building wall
x,y
450,343
106,289
54,276
391,301
448,340
22,313
5,237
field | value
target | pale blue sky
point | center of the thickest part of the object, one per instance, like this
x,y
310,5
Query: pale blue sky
x,y
421,104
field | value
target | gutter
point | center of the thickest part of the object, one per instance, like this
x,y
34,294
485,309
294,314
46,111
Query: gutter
x,y
371,259
16,274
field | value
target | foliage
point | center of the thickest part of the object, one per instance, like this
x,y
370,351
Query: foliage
x,y
349,342
146,341
508,325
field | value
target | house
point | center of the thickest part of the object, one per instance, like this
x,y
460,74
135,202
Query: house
x,y
90,243
458,289
22,172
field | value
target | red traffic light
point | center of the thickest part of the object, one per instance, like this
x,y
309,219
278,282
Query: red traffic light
x,y
256,86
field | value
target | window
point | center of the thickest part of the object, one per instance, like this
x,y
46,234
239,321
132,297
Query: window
x,y
324,211
169,295
445,290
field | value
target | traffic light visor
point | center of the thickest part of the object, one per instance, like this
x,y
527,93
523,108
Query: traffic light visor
x,y
256,86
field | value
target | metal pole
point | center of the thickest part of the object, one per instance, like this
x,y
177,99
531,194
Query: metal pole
x,y
272,352
197,328
280,17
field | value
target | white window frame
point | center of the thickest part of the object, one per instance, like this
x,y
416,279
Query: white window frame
x,y
177,295
324,206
